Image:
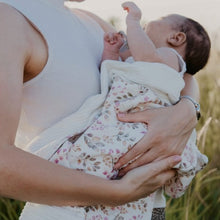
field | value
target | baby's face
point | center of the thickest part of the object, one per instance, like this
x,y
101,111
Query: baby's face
x,y
160,29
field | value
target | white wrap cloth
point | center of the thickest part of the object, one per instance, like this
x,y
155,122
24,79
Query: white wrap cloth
x,y
92,139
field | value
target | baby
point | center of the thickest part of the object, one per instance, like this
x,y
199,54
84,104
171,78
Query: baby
x,y
151,77
153,43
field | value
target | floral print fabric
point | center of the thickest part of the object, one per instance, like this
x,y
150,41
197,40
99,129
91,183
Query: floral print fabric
x,y
107,139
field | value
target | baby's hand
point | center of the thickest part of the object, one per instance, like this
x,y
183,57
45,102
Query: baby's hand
x,y
113,41
112,45
134,13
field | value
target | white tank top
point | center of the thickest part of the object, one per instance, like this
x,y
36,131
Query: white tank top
x,y
71,74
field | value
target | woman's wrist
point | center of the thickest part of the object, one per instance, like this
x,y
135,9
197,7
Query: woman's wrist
x,y
118,193
196,105
125,190
187,109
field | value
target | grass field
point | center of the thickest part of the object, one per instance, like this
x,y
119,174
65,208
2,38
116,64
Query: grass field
x,y
202,200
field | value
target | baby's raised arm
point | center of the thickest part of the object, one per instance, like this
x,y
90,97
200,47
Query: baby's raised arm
x,y
141,46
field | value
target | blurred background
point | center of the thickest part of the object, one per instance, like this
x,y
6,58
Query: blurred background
x,y
202,199
203,11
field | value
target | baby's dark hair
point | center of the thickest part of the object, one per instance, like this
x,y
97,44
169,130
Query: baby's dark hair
x,y
198,45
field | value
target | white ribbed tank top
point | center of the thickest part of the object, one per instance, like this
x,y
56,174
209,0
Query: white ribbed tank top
x,y
71,74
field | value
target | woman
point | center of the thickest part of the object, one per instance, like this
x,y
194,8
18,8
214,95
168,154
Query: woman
x,y
48,56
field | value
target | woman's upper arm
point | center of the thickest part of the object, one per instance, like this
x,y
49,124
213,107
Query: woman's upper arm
x,y
104,25
13,54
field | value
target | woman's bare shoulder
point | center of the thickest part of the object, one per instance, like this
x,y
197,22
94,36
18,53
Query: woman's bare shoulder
x,y
23,43
12,26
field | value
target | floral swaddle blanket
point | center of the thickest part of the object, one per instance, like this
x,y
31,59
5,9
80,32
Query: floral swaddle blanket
x,y
97,149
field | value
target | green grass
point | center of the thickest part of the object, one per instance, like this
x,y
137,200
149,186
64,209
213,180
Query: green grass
x,y
10,209
202,199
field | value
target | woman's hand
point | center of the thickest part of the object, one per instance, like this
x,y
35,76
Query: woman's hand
x,y
168,131
144,180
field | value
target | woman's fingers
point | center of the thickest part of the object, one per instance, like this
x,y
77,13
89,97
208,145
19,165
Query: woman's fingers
x,y
161,171
146,179
162,178
142,160
141,116
158,167
141,147
153,153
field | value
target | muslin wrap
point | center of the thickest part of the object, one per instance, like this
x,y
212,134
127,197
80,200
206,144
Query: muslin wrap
x,y
124,87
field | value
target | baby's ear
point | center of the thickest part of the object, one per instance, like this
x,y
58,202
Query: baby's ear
x,y
177,39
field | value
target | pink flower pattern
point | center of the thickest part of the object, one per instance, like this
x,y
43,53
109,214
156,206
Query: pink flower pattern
x,y
97,150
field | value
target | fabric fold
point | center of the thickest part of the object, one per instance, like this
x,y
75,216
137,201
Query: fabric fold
x,y
152,75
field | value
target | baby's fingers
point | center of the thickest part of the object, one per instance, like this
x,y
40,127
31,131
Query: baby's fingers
x,y
109,37
127,6
134,13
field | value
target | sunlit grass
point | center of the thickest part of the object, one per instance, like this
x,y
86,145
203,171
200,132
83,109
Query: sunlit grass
x,y
202,199
10,209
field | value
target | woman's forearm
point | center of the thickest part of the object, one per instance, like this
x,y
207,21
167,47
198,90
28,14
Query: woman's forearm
x,y
186,107
191,87
29,178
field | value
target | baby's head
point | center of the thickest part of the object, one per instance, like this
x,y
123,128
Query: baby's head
x,y
185,35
